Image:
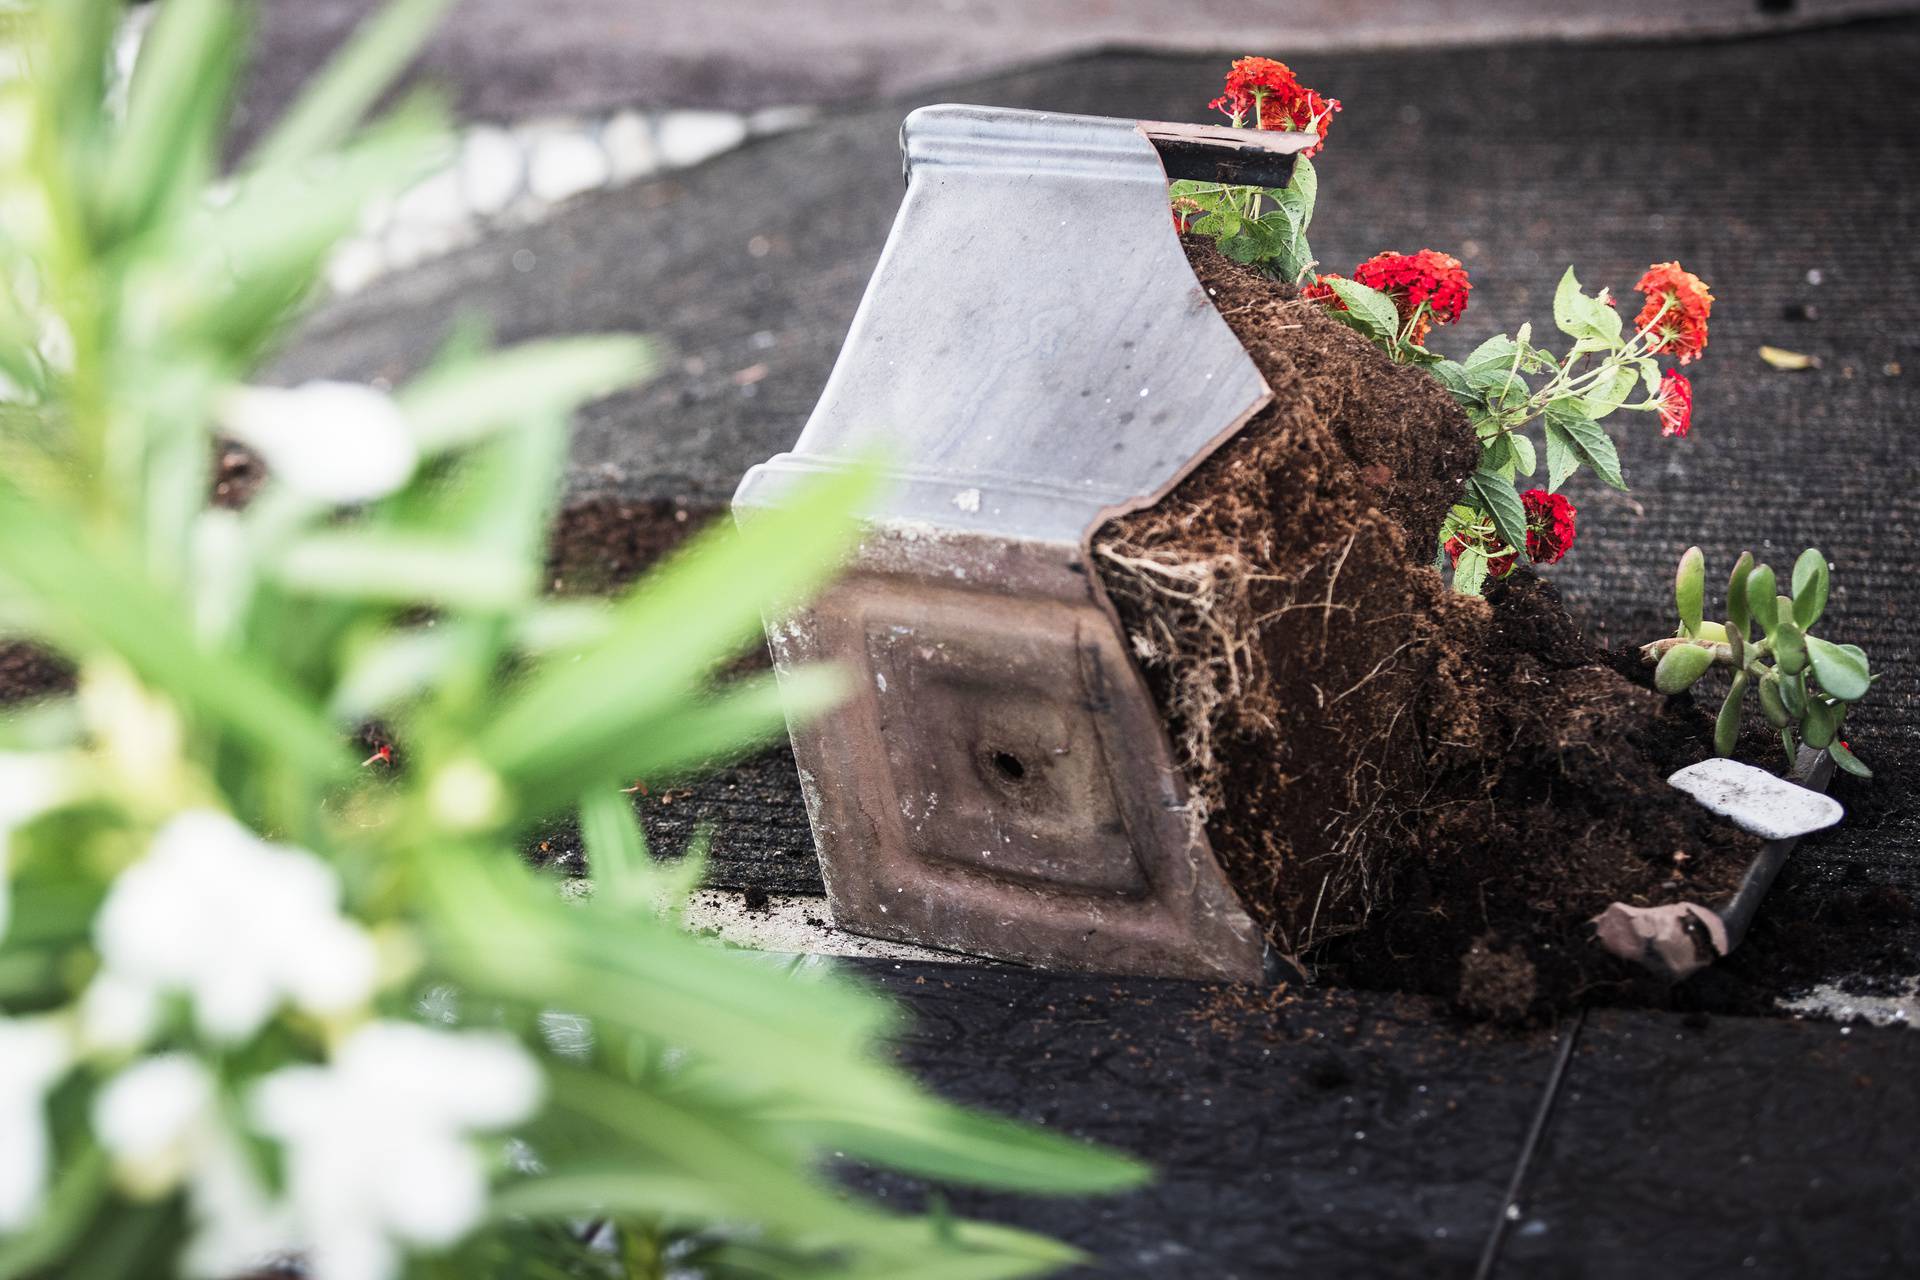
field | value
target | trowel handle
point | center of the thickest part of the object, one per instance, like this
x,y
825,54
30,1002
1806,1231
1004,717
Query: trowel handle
x,y
1240,157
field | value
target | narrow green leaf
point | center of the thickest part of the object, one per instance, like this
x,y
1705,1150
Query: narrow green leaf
x,y
99,603
616,846
1562,460
1841,673
404,568
470,399
682,621
335,101
1809,587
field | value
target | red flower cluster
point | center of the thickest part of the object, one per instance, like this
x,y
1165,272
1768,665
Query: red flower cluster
x,y
1676,311
1549,535
1549,525
1409,279
1676,403
1321,291
1267,95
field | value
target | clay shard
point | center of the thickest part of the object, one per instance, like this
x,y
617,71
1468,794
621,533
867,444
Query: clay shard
x,y
1679,938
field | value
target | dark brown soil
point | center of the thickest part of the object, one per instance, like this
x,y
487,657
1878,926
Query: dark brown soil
x,y
601,543
1410,789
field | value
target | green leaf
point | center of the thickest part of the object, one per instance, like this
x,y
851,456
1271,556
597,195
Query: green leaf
x,y
1793,695
1374,309
1241,248
616,847
685,619
1470,571
1562,460
1772,705
1841,673
1845,758
1524,461
1681,667
1611,392
472,398
1761,601
1726,726
1790,647
99,603
1585,438
1739,615
1497,352
1809,587
335,101
1580,316
1453,376
1495,495
164,152
405,568
1818,725
1690,588
1302,191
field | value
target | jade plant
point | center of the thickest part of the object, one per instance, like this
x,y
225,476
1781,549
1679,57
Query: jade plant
x,y
1804,683
1508,384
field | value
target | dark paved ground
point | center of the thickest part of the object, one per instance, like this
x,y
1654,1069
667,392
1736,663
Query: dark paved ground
x,y
508,59
1349,1134
1781,170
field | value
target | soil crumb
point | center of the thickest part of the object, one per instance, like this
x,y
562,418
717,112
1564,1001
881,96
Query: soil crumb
x,y
1409,788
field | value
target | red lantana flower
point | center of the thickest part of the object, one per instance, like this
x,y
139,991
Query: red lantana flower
x,y
1549,525
1676,403
1413,278
1676,311
1321,291
1267,95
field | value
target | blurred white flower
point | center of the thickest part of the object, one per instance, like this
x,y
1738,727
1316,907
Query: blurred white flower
x,y
336,442
34,1054
160,1122
232,922
31,783
377,1147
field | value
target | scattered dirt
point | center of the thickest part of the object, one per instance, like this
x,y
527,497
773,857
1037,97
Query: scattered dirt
x,y
1410,789
27,671
601,543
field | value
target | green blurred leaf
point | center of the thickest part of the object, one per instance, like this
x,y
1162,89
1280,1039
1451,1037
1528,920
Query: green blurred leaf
x,y
469,399
100,604
335,101
688,616
404,568
165,150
